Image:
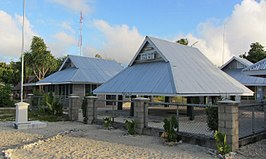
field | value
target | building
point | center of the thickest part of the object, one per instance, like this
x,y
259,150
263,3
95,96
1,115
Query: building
x,y
79,76
162,68
235,66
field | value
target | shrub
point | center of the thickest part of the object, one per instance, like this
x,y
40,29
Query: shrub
x,y
5,96
53,104
106,122
130,126
170,128
212,118
84,111
221,143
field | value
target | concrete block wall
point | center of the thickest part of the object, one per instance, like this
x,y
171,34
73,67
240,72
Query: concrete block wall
x,y
74,106
228,122
140,114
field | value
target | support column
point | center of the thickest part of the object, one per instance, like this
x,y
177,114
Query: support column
x,y
74,106
228,122
120,104
140,114
91,109
190,109
131,113
166,100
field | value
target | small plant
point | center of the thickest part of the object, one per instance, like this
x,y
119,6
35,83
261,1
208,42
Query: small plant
x,y
53,104
212,118
130,126
170,129
84,111
107,122
221,144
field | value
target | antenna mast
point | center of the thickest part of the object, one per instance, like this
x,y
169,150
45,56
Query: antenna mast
x,y
80,33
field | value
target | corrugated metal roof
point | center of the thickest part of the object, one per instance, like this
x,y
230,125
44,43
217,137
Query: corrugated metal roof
x,y
189,73
86,70
259,68
243,61
246,79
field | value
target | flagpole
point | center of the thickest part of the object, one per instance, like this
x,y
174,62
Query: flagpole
x,y
22,53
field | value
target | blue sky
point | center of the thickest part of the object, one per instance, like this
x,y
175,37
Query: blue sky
x,y
116,28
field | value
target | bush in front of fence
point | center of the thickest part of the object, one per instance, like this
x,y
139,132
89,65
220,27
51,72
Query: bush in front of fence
x,y
130,126
221,144
84,111
107,122
170,129
212,118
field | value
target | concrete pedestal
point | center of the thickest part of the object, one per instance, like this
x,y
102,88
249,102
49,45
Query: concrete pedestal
x,y
22,118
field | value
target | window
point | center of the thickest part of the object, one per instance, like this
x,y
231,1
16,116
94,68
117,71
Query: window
x,y
89,88
147,56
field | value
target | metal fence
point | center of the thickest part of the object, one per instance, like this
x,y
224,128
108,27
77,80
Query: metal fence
x,y
192,117
158,111
251,119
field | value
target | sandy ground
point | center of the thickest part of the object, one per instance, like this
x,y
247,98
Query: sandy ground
x,y
76,140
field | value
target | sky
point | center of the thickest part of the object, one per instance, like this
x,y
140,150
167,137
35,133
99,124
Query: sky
x,y
115,29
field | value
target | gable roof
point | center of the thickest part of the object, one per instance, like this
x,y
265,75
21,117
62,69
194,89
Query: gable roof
x,y
257,69
243,61
83,70
184,71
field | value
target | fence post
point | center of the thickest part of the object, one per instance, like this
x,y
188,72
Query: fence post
x,y
91,108
74,107
140,113
30,98
228,122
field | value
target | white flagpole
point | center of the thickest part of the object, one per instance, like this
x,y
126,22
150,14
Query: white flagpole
x,y
22,53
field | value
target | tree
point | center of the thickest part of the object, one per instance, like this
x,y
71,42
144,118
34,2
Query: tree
x,y
98,56
256,53
182,41
10,73
41,61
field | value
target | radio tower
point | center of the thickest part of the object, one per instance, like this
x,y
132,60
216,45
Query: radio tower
x,y
80,33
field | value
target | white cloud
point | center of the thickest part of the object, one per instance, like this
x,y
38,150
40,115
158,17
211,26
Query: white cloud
x,y
246,25
75,5
10,35
61,43
66,26
121,41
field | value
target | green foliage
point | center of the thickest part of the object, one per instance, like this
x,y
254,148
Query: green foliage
x,y
5,96
53,104
98,56
212,118
41,61
256,53
170,128
182,41
221,144
10,73
130,126
107,122
84,111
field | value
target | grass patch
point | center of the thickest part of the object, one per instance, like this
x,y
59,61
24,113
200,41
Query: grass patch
x,y
7,114
10,115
